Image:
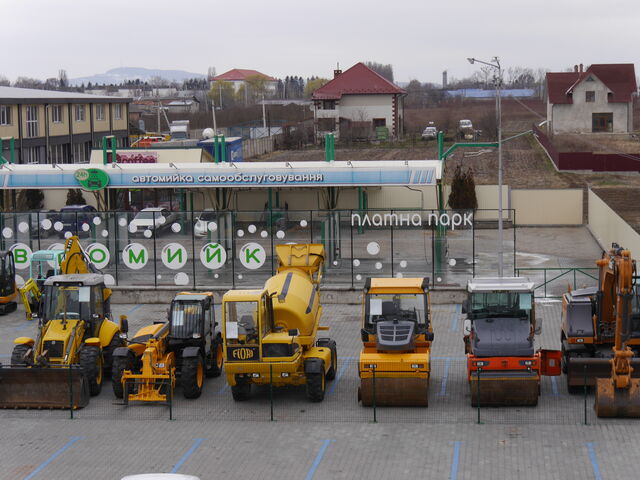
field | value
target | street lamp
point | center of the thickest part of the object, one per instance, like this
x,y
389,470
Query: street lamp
x,y
495,63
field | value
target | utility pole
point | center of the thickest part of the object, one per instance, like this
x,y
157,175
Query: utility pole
x,y
213,114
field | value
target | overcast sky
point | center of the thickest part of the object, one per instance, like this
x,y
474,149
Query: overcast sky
x,y
420,38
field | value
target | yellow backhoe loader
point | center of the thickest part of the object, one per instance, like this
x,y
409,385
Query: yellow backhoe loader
x,y
187,346
271,334
396,333
8,290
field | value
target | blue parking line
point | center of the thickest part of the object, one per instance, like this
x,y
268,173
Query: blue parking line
x,y
455,317
133,309
554,386
455,460
316,462
343,369
223,389
44,464
594,461
443,385
186,456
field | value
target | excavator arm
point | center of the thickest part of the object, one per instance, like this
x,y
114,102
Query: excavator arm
x,y
75,260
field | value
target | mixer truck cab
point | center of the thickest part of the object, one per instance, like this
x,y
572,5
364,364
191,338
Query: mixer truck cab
x,y
270,335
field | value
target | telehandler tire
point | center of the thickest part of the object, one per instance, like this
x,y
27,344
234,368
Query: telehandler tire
x,y
120,364
215,359
316,386
116,342
92,363
192,376
241,391
18,353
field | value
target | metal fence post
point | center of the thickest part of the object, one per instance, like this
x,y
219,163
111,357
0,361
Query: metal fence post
x,y
375,416
70,393
585,395
271,389
170,388
155,258
478,392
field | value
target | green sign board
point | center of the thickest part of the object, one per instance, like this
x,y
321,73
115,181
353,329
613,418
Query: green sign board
x,y
92,179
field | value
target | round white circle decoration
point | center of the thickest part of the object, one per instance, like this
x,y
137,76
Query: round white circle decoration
x,y
373,248
335,262
181,278
240,277
452,262
46,224
97,220
135,256
213,256
23,227
175,228
122,222
356,262
58,226
54,246
148,234
174,256
439,279
105,233
161,220
212,226
216,276
240,233
109,280
86,227
358,277
252,228
132,228
21,255
19,280
67,234
399,275
98,254
252,256
378,265
303,223
403,264
280,234
7,232
264,234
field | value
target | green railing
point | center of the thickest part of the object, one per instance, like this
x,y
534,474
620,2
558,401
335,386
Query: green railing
x,y
557,273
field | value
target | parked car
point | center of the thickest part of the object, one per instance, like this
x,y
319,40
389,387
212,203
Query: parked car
x,y
430,133
465,130
76,219
36,219
152,219
201,224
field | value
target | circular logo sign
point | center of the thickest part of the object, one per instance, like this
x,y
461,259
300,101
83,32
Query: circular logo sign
x,y
81,175
213,256
92,179
174,256
99,255
135,256
21,255
252,256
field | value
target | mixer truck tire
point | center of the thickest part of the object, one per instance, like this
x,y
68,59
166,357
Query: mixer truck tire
x,y
241,390
192,376
331,344
316,386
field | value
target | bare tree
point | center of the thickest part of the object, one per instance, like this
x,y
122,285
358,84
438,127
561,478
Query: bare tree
x,y
26,82
4,81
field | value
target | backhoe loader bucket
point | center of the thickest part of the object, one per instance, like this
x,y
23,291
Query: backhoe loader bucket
x,y
593,369
47,387
617,402
499,389
408,391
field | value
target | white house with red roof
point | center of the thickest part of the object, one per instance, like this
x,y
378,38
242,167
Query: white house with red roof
x,y
238,76
598,99
361,99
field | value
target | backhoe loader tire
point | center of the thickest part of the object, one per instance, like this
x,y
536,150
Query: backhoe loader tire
x,y
316,385
17,356
241,391
192,376
215,359
91,363
120,364
115,342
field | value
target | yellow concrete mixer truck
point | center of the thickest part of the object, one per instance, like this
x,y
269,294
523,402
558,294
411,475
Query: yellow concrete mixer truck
x,y
270,335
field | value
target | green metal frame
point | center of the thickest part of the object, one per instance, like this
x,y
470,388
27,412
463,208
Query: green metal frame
x,y
12,149
113,149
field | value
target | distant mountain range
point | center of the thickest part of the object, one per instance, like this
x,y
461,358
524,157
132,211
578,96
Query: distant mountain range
x,y
119,75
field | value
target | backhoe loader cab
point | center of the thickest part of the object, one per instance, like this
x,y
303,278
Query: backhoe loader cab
x,y
188,346
396,335
8,288
500,343
74,329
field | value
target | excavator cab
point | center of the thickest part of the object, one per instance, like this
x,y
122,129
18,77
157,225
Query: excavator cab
x,y
7,283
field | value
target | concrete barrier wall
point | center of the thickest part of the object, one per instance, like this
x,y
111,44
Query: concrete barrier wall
x,y
608,227
547,207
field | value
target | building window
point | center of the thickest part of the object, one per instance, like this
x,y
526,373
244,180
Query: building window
x,y
590,96
56,113
328,105
602,122
99,112
32,121
5,115
81,152
379,122
117,111
31,155
80,113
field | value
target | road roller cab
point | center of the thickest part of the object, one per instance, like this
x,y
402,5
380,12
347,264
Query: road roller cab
x,y
503,365
396,334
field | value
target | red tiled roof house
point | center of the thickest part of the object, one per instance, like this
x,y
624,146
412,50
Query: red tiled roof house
x,y
358,97
599,99
238,76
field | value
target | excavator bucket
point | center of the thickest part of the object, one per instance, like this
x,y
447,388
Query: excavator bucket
x,y
26,387
593,369
505,389
617,402
394,391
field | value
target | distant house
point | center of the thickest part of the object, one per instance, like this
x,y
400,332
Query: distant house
x,y
599,99
238,76
361,100
188,105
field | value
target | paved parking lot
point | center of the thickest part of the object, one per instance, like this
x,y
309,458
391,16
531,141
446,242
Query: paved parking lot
x,y
214,437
